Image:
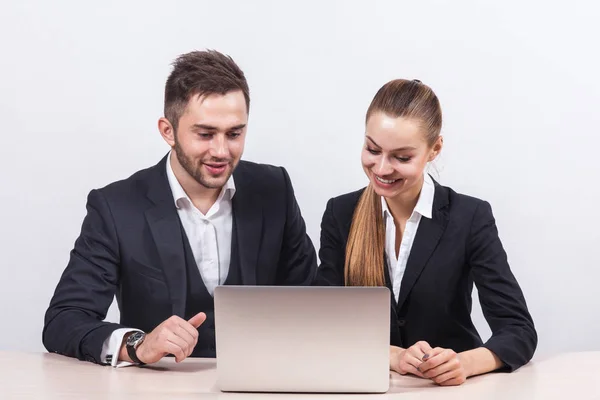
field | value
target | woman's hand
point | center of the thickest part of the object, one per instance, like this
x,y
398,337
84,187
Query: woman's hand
x,y
444,367
407,361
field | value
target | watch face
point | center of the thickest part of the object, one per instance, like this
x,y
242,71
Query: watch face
x,y
134,338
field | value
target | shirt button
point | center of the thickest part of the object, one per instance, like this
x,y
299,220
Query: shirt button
x,y
401,322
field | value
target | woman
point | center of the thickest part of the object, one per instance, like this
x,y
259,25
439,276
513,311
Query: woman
x,y
428,245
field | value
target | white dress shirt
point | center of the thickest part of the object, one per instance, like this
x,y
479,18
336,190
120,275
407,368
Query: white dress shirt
x,y
423,208
209,236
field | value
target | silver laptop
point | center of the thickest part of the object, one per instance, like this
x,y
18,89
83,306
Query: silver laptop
x,y
302,339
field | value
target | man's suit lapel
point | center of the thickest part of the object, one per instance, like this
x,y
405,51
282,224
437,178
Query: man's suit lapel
x,y
165,227
248,214
426,240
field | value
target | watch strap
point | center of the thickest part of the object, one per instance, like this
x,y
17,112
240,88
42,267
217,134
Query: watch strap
x,y
131,352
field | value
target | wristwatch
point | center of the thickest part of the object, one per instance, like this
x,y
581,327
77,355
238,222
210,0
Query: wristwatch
x,y
132,343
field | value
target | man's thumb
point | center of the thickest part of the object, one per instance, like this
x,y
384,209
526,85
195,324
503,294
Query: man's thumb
x,y
197,319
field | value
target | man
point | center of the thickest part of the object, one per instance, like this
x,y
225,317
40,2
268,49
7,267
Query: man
x,y
164,238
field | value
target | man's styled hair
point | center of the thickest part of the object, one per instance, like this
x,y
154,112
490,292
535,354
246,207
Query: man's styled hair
x,y
201,73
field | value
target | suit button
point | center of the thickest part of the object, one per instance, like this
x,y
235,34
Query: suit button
x,y
401,322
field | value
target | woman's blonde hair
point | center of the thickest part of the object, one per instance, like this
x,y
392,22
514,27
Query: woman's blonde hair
x,y
365,248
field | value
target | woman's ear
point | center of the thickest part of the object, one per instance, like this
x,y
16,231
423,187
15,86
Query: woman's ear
x,y
436,148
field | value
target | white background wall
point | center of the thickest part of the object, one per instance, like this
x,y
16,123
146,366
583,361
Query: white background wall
x,y
81,88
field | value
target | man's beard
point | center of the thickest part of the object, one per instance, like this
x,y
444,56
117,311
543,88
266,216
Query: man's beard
x,y
195,170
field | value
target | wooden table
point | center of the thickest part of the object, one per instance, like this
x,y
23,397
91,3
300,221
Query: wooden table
x,y
570,376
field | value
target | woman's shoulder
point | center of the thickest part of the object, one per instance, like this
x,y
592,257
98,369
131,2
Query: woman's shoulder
x,y
342,206
458,202
348,200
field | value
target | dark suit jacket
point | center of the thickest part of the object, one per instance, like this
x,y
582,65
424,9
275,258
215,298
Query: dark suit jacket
x,y
455,248
131,237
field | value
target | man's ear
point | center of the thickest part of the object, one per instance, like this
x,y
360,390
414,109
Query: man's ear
x,y
166,131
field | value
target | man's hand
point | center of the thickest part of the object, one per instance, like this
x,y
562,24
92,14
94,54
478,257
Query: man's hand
x,y
174,336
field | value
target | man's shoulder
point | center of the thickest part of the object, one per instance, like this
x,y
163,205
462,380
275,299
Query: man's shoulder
x,y
259,170
260,176
135,185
